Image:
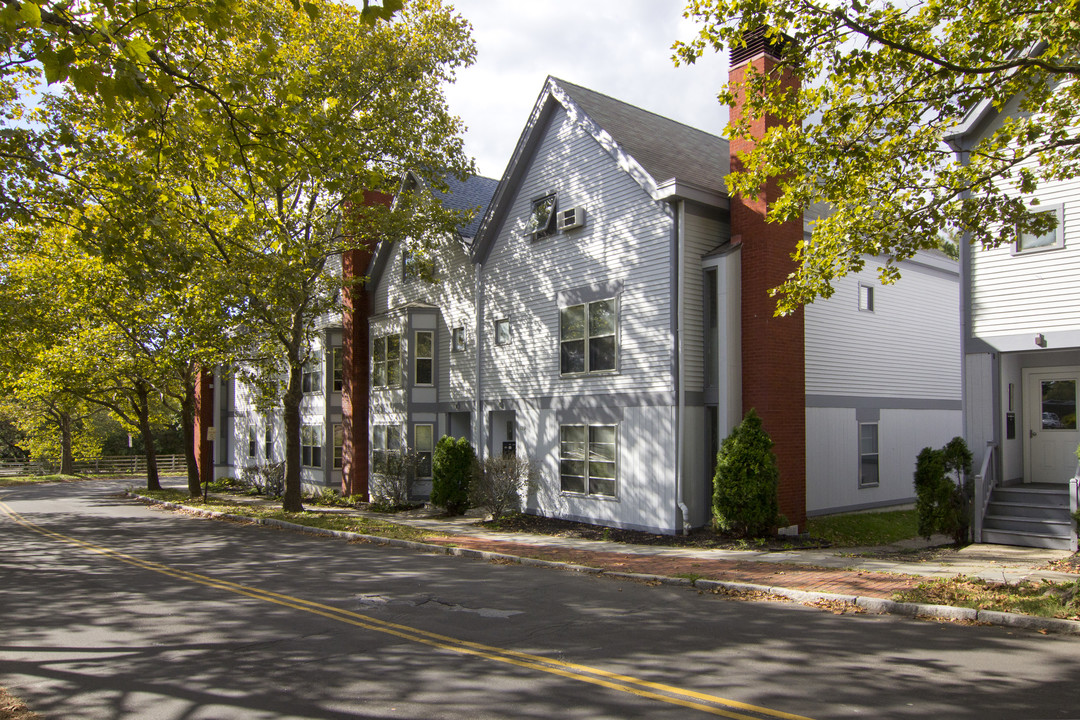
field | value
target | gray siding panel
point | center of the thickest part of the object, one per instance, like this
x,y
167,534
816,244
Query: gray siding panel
x,y
701,235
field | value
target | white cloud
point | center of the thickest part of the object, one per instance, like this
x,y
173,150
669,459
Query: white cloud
x,y
621,48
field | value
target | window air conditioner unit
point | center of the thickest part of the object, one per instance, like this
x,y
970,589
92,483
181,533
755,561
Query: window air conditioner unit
x,y
572,218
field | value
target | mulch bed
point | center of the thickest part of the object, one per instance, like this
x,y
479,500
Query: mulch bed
x,y
700,538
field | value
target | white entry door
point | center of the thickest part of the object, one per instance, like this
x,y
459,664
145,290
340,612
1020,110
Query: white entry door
x,y
1051,433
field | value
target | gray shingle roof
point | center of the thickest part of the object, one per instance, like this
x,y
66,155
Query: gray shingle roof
x,y
474,193
665,148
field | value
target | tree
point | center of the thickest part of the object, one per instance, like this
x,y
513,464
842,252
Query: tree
x,y
883,84
944,490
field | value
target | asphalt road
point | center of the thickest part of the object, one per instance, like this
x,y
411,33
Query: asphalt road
x,y
110,609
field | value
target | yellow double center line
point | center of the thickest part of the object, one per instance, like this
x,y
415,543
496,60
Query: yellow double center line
x,y
583,673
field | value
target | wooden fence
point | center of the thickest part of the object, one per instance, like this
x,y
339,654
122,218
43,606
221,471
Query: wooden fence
x,y
105,465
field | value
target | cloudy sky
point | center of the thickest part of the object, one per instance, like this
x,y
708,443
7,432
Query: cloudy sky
x,y
621,48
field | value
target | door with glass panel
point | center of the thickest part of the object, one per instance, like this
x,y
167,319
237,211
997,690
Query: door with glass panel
x,y
1051,432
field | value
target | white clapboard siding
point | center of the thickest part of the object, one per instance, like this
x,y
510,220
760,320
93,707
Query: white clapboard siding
x,y
909,347
626,239
701,236
453,293
1034,291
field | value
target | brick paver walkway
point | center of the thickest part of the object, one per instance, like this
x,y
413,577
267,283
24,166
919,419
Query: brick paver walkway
x,y
798,577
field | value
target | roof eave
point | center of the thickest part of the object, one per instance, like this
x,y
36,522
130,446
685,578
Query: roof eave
x,y
675,189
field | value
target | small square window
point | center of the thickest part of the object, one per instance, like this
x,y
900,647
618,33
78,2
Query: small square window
x,y
542,217
502,332
866,298
457,340
1050,240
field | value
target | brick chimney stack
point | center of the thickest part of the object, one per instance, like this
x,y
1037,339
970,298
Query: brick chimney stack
x,y
773,350
356,364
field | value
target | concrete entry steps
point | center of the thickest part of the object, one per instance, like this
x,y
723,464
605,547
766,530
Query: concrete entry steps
x,y
1029,515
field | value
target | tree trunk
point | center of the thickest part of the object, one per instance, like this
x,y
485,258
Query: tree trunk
x,y
292,501
187,423
142,411
67,459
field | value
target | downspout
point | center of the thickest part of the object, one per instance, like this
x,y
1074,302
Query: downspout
x,y
680,413
478,417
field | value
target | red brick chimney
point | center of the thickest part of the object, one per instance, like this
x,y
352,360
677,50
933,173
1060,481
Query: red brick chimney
x,y
773,352
204,422
356,363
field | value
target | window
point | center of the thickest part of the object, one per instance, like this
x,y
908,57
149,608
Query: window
x,y
502,332
587,459
385,439
424,358
252,442
1049,240
339,444
268,444
866,298
424,444
457,339
311,375
542,217
416,266
386,361
311,438
338,365
587,337
868,455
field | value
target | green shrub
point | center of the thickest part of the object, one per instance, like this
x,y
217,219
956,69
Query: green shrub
x,y
452,467
745,486
943,490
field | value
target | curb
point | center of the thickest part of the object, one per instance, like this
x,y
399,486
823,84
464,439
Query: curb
x,y
870,605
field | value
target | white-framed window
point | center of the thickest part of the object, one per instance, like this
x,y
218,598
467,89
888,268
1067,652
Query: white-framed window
x,y
311,375
252,442
338,445
542,217
588,459
268,443
866,297
424,445
1050,240
385,439
386,361
457,339
868,455
417,266
502,331
424,358
311,441
337,356
587,337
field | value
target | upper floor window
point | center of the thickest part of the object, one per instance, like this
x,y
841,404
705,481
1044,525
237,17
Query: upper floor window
x,y
587,337
457,339
311,375
386,361
417,266
502,331
866,298
338,364
424,358
1049,240
542,217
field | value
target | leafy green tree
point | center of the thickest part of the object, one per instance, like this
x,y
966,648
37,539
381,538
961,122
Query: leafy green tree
x,y
882,86
745,485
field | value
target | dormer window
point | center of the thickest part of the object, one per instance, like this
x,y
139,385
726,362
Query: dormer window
x,y
542,219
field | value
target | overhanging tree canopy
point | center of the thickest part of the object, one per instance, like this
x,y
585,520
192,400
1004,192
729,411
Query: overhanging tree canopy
x,y
883,85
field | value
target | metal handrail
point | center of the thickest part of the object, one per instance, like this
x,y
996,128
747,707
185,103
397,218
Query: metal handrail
x,y
984,488
1074,503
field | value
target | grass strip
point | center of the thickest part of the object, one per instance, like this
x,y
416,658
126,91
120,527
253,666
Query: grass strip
x,y
308,518
865,529
1041,599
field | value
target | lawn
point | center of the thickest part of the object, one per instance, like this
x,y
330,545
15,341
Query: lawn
x,y
865,529
30,479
